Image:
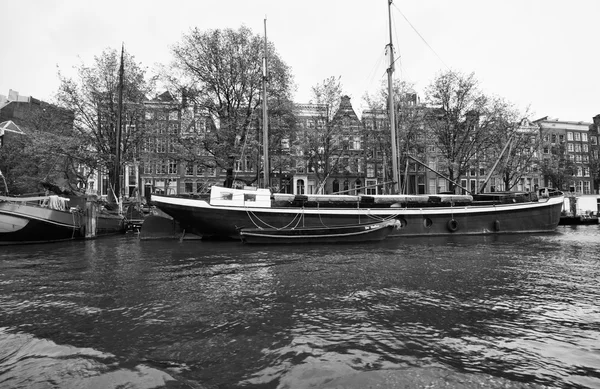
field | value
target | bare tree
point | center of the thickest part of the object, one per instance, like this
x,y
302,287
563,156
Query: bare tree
x,y
92,96
558,169
322,142
522,156
463,122
219,73
410,120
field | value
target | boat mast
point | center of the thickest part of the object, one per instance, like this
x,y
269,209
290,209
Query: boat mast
x,y
266,179
117,182
390,71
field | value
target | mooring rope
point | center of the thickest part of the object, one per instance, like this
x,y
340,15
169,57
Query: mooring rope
x,y
252,214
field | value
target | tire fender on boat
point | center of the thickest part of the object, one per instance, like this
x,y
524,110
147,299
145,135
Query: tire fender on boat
x,y
497,225
452,225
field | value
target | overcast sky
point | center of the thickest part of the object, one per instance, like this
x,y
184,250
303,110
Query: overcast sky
x,y
541,54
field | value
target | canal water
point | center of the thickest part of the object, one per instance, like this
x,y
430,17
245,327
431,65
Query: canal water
x,y
461,312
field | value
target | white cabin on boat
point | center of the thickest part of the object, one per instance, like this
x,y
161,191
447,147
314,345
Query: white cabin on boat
x,y
247,197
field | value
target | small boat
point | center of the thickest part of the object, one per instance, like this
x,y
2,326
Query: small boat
x,y
44,219
38,220
372,232
134,217
576,220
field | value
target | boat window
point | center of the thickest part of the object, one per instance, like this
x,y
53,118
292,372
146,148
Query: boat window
x,y
249,197
226,196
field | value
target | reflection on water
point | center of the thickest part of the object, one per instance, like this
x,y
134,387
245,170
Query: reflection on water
x,y
28,362
503,311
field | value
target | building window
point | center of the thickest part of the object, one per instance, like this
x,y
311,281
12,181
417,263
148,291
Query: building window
x,y
371,188
358,187
148,167
172,146
442,186
432,164
189,169
148,144
570,147
249,164
161,167
149,115
161,146
189,187
577,136
587,187
584,137
345,143
569,135
420,184
432,185
370,170
300,187
173,115
311,187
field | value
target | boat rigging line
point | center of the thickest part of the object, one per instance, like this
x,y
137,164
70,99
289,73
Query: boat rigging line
x,y
421,36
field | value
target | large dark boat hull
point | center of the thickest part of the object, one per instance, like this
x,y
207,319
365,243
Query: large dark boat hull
x,y
202,218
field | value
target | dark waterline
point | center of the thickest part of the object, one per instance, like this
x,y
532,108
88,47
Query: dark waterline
x,y
503,311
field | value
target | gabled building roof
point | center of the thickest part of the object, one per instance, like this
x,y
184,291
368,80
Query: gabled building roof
x,y
345,110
